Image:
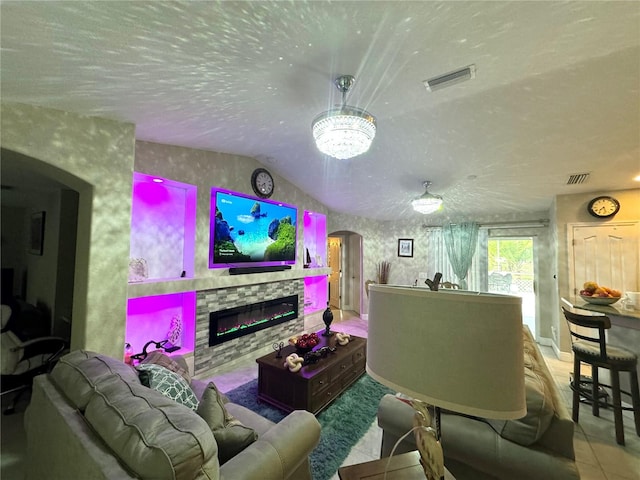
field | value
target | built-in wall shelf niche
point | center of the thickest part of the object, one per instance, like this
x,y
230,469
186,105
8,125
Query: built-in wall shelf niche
x,y
315,240
162,317
163,227
315,259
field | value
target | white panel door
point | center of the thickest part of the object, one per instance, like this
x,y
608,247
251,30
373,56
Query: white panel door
x,y
607,254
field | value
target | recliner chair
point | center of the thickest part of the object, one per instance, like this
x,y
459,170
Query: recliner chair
x,y
23,359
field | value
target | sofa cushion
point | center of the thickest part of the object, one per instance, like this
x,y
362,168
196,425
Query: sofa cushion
x,y
151,434
158,358
77,373
168,383
231,435
528,429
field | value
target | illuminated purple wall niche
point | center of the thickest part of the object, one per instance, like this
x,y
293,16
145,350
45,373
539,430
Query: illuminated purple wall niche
x,y
163,219
149,318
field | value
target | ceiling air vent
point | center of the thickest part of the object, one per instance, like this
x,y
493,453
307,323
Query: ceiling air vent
x,y
577,178
451,78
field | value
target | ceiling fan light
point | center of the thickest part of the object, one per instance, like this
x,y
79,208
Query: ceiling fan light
x,y
427,203
344,132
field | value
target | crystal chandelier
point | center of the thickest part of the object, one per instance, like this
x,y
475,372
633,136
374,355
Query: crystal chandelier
x,y
427,202
344,132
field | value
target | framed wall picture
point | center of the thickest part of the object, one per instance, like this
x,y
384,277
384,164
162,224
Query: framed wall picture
x,y
405,247
36,233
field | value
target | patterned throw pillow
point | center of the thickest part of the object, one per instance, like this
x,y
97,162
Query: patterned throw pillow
x,y
158,358
231,435
168,383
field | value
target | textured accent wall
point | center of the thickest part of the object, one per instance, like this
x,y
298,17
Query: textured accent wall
x,y
206,357
206,169
95,157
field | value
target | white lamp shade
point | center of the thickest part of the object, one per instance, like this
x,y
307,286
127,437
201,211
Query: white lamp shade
x,y
458,350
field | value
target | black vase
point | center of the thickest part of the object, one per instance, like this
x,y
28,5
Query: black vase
x,y
327,318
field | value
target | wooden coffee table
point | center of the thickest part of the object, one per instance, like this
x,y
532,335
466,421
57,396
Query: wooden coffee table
x,y
316,385
401,467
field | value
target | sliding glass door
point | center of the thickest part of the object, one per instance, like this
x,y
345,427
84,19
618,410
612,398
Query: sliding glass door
x,y
511,271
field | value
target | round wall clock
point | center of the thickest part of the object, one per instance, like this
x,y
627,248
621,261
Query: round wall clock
x,y
262,183
603,207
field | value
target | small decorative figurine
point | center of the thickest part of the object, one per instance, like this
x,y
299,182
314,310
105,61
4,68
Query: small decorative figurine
x,y
175,331
294,362
327,318
277,347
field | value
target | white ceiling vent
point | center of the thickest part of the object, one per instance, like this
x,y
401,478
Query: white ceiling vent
x,y
451,78
577,178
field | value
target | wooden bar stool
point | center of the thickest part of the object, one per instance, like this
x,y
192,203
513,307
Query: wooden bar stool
x,y
595,351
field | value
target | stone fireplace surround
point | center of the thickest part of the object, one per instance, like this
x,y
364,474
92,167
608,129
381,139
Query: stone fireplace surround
x,y
207,358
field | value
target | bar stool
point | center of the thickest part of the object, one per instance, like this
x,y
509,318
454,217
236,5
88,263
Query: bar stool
x,y
595,351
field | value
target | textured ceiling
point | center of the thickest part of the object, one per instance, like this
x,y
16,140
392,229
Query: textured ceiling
x,y
556,90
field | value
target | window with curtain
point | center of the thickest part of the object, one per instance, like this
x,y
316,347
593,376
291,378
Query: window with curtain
x,y
438,259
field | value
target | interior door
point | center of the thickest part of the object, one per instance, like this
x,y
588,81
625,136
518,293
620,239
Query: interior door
x,y
335,261
607,254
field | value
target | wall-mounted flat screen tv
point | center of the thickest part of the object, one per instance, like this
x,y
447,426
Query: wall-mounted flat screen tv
x,y
247,231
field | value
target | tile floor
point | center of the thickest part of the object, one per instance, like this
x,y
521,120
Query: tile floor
x,y
597,454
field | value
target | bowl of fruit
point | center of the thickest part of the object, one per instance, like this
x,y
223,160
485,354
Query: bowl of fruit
x,y
599,295
305,342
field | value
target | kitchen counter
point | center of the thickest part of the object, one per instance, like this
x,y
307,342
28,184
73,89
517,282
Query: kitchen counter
x,y
619,315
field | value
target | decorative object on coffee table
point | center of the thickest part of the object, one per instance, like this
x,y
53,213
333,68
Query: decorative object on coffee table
x,y
305,342
482,352
317,355
294,362
327,318
342,338
277,347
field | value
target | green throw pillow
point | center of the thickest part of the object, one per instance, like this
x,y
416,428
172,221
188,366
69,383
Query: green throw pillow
x,y
231,436
168,383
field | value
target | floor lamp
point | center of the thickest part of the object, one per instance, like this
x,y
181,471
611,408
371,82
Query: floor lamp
x,y
453,349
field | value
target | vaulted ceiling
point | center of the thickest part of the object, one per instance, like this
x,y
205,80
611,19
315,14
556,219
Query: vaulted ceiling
x,y
556,90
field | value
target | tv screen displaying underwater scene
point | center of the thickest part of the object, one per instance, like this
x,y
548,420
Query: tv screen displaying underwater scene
x,y
247,231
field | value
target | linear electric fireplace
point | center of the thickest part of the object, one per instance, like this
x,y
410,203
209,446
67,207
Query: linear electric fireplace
x,y
236,322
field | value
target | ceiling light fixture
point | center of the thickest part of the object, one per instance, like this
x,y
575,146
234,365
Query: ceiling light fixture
x,y
427,202
344,132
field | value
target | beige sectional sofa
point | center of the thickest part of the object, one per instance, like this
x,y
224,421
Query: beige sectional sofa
x,y
91,418
537,446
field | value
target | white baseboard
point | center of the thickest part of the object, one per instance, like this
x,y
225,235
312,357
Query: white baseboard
x,y
548,342
364,316
564,356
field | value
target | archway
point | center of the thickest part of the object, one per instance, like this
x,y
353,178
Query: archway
x,y
48,279
350,276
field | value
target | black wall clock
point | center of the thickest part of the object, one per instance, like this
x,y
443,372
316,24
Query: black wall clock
x,y
262,183
603,207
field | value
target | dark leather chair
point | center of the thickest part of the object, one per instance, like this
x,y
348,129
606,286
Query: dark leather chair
x,y
22,358
595,351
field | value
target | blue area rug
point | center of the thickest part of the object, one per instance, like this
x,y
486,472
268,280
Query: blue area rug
x,y
343,422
